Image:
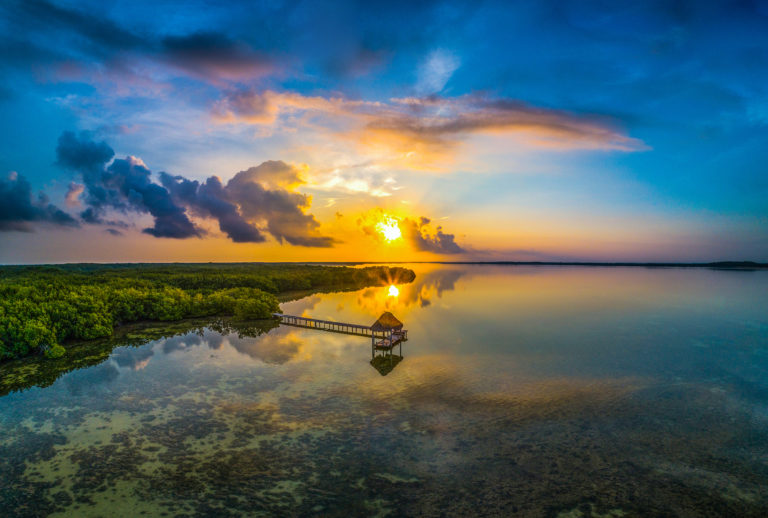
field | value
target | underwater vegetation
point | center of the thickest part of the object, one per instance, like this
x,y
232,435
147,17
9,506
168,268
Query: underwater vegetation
x,y
518,396
42,307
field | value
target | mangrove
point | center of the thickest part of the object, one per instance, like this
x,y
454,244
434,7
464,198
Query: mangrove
x,y
44,307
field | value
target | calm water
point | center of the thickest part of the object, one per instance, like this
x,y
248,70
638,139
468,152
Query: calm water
x,y
545,391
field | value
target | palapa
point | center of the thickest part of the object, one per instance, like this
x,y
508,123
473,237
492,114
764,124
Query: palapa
x,y
387,321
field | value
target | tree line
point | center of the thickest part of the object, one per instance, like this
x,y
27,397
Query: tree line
x,y
42,307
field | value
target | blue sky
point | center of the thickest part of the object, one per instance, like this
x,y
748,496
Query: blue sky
x,y
522,130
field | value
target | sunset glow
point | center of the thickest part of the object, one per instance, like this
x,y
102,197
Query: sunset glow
x,y
344,258
242,132
389,229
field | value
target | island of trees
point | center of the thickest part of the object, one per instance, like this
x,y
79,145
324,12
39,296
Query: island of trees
x,y
43,307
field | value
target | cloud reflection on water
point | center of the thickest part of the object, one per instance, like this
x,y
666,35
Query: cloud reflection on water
x,y
277,347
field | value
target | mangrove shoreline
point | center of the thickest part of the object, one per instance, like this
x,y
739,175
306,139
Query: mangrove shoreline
x,y
44,308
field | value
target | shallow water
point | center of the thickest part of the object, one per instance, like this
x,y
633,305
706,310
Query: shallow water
x,y
542,391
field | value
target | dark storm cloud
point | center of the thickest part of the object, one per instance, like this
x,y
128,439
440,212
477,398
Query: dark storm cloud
x,y
81,153
260,193
209,199
18,209
423,239
84,156
258,200
124,186
131,181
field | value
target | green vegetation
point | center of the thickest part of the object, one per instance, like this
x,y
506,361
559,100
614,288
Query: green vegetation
x,y
42,307
44,370
56,351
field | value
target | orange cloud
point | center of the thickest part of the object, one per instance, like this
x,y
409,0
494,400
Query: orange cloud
x,y
266,107
423,132
72,198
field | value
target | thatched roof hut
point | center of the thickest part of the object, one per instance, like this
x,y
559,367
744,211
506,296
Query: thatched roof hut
x,y
386,322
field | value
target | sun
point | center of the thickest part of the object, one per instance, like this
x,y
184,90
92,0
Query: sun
x,y
389,228
393,291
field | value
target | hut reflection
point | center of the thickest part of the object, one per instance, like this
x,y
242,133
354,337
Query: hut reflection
x,y
386,361
392,335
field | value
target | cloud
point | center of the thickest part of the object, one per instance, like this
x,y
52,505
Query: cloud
x,y
278,347
209,199
249,106
89,44
113,231
256,201
425,239
18,210
421,132
262,193
259,194
81,153
96,34
214,55
225,40
71,199
441,122
125,186
435,71
131,180
135,359
364,178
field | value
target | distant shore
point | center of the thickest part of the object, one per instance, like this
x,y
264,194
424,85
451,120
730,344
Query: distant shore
x,y
726,265
729,265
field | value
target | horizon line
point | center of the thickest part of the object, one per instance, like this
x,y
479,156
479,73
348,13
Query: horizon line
x,y
660,264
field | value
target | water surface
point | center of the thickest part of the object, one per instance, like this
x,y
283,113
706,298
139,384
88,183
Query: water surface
x,y
545,391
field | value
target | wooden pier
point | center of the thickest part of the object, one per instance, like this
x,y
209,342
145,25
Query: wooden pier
x,y
392,340
385,333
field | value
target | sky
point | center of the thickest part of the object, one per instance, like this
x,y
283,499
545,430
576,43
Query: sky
x,y
383,131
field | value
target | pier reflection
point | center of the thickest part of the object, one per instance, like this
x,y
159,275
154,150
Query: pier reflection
x,y
386,335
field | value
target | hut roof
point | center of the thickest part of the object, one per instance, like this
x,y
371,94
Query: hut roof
x,y
386,321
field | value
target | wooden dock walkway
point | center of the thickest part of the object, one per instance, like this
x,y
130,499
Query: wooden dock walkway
x,y
387,339
392,340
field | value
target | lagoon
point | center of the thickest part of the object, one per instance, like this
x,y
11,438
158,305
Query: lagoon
x,y
536,390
